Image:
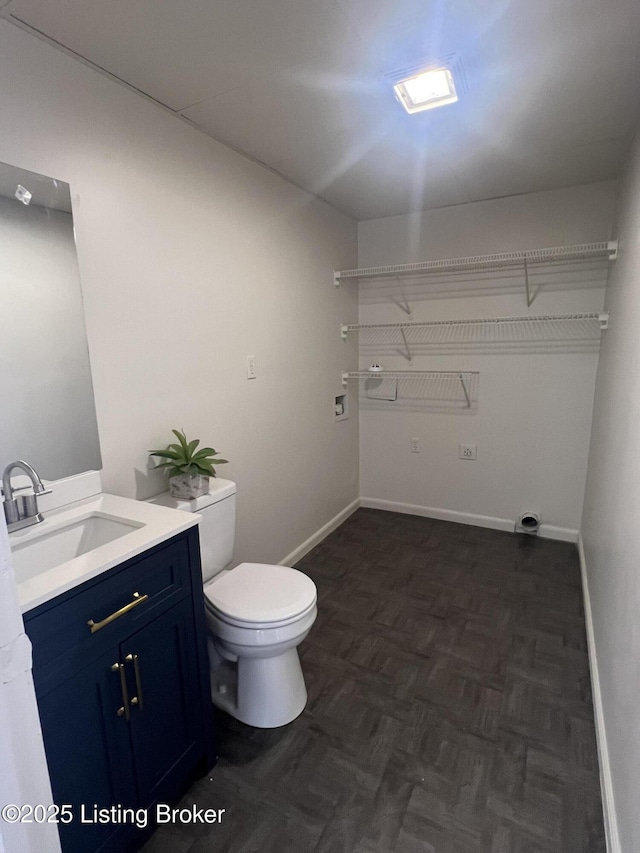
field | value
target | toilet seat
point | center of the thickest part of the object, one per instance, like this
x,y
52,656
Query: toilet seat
x,y
259,595
257,626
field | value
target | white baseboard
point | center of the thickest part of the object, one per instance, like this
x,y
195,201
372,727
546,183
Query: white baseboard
x,y
562,534
606,785
442,514
547,531
310,543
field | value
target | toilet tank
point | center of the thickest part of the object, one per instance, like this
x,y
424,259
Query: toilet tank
x,y
218,525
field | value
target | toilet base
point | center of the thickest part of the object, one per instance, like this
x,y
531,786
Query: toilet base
x,y
263,692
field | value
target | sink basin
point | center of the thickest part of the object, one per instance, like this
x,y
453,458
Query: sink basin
x,y
64,542
80,540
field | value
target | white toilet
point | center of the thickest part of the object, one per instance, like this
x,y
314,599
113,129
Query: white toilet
x,y
257,615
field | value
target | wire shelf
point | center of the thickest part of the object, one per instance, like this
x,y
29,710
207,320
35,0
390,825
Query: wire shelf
x,y
554,330
446,388
502,260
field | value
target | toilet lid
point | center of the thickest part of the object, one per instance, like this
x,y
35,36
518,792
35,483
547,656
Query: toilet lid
x,y
258,592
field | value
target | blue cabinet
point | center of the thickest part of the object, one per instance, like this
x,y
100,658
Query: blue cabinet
x,y
164,717
88,754
125,708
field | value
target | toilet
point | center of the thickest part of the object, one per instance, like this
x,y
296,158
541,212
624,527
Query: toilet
x,y
257,615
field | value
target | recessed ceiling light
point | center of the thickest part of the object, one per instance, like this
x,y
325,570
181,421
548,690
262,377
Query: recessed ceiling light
x,y
431,88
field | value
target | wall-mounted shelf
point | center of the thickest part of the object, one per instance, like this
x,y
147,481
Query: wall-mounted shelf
x,y
447,335
505,260
453,387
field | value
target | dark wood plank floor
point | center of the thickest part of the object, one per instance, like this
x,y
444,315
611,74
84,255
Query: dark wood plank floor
x,y
449,706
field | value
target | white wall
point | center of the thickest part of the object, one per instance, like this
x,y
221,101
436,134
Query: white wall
x,y
532,422
192,258
610,520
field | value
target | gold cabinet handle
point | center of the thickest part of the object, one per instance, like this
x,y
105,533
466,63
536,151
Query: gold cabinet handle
x,y
137,599
137,700
124,711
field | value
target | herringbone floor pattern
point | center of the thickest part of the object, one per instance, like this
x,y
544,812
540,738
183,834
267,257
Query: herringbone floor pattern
x,y
449,706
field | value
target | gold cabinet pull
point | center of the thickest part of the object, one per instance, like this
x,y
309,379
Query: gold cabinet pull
x,y
124,711
137,599
137,700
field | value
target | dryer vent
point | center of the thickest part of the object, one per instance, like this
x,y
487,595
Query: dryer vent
x,y
528,522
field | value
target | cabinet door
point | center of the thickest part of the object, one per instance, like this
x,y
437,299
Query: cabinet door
x,y
89,753
166,709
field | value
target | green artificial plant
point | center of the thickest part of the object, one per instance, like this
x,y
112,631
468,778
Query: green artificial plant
x,y
185,458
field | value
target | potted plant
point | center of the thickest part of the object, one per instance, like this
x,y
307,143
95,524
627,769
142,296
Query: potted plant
x,y
187,467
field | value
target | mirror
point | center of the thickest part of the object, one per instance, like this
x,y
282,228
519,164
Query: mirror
x,y
47,411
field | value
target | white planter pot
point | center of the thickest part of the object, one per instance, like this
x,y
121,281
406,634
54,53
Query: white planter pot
x,y
188,487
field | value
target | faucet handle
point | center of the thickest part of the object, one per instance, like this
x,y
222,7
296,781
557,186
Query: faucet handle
x,y
29,488
28,506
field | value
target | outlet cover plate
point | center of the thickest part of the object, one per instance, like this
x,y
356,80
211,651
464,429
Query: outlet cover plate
x,y
468,451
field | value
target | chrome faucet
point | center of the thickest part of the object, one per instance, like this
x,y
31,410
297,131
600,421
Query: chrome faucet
x,y
22,511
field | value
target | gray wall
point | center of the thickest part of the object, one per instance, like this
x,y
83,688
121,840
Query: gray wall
x,y
192,258
611,515
533,418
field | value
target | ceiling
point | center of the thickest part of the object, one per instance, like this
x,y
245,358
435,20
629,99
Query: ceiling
x,y
550,88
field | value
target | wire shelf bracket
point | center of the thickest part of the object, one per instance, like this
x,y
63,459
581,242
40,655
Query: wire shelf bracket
x,y
526,282
403,301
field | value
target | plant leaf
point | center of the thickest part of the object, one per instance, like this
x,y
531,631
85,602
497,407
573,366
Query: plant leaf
x,y
219,461
165,454
181,438
201,457
191,447
206,451
207,470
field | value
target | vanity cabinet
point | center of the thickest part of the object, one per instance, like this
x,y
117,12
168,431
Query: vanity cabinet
x,y
122,680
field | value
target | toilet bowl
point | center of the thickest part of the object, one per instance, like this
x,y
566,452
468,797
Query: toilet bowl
x,y
257,614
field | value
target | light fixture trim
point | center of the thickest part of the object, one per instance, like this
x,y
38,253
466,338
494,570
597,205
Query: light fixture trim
x,y
429,88
23,194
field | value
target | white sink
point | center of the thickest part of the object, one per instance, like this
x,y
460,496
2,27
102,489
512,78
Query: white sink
x,y
78,541
65,542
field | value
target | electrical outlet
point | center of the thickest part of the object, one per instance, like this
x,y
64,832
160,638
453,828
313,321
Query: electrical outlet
x,y
252,371
415,445
468,451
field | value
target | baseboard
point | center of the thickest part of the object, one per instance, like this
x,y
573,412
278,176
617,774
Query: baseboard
x,y
547,531
442,514
562,534
606,785
310,543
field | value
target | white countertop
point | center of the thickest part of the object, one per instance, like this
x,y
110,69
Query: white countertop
x,y
152,524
